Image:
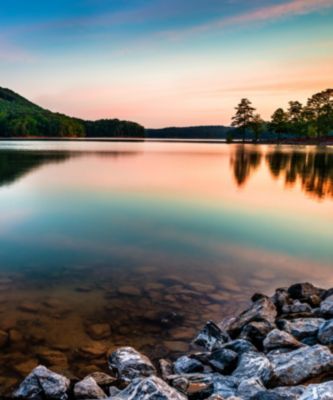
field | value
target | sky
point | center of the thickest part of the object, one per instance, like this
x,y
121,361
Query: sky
x,y
165,62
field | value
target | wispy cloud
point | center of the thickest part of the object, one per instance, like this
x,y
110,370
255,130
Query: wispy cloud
x,y
263,14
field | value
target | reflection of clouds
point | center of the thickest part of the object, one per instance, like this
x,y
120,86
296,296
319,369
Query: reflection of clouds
x,y
12,218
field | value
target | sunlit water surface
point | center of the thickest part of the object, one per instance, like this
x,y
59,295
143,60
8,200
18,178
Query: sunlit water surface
x,y
151,239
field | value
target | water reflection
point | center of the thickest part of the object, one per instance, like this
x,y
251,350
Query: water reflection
x,y
311,168
16,164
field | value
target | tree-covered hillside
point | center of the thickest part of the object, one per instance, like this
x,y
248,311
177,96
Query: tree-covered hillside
x,y
21,118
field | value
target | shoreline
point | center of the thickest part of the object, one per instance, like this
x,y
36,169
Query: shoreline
x,y
279,348
169,140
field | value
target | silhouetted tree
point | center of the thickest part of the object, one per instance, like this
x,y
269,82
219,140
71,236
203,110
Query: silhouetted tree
x,y
244,116
257,126
279,122
319,112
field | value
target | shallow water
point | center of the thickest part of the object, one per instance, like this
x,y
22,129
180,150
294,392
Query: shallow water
x,y
150,240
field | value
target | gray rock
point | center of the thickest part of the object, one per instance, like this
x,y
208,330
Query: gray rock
x,y
223,360
289,393
277,339
261,310
88,389
281,298
149,388
256,332
306,292
325,333
296,308
165,368
322,391
326,306
187,365
280,393
128,364
113,391
102,379
225,386
211,336
299,365
302,328
249,388
43,384
252,365
239,346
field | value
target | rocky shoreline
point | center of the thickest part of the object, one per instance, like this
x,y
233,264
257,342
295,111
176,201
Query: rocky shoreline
x,y
280,348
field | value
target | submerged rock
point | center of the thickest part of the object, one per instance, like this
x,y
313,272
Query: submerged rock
x,y
42,384
300,365
99,331
129,364
211,336
277,339
149,388
88,389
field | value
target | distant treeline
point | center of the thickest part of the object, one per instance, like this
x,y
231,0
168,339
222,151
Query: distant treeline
x,y
21,118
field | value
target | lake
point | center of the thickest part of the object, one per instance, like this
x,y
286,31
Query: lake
x,y
106,244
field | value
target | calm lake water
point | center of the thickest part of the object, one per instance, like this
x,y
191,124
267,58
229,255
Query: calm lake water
x,y
116,243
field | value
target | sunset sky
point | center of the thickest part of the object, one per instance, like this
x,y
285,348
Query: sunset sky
x,y
165,62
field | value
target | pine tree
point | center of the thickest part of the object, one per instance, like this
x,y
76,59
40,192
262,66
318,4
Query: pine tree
x,y
244,116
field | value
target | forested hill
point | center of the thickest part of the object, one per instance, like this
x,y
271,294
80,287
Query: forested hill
x,y
21,118
191,132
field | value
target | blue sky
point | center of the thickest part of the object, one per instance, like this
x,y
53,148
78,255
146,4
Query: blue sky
x,y
165,62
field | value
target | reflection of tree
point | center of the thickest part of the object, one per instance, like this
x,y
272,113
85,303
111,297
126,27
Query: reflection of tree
x,y
313,170
15,163
244,162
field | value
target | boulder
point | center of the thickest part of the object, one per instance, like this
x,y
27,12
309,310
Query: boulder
x,y
306,292
296,307
280,393
149,388
326,306
128,364
322,391
302,328
88,389
281,298
211,336
277,339
252,365
187,365
299,365
102,379
325,333
256,332
239,346
249,388
42,384
261,310
223,360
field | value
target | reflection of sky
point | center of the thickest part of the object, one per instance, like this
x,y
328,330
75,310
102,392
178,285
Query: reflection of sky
x,y
178,207
165,62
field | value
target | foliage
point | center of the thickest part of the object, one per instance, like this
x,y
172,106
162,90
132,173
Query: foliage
x,y
244,116
21,118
